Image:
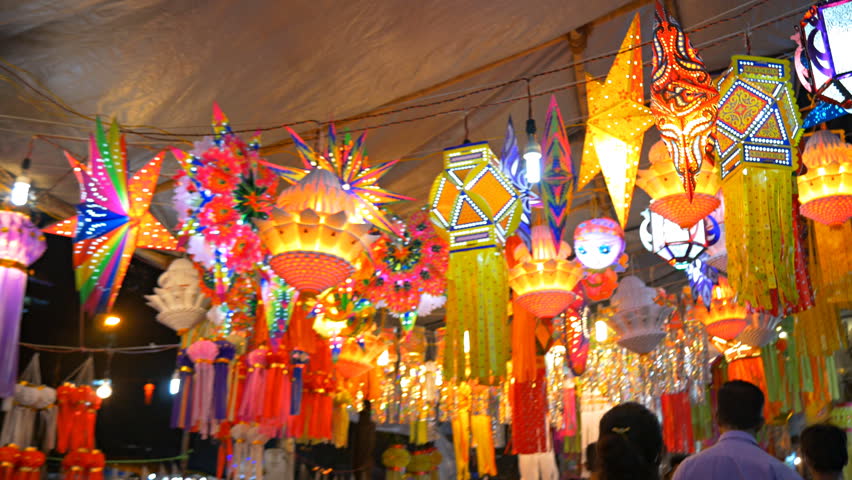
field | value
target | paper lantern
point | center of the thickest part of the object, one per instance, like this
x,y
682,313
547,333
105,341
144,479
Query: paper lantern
x,y
21,244
639,321
618,119
674,244
543,279
558,178
112,218
148,389
724,317
314,235
824,39
758,130
513,167
662,183
760,329
178,299
683,98
825,189
702,278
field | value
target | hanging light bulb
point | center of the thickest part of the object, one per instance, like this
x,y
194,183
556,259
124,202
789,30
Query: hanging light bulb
x,y
601,331
105,390
532,154
174,384
21,189
466,341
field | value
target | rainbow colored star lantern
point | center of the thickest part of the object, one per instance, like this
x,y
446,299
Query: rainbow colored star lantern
x,y
543,278
662,183
824,38
674,244
724,317
825,189
683,99
758,130
21,244
618,119
112,218
599,245
178,299
476,207
639,320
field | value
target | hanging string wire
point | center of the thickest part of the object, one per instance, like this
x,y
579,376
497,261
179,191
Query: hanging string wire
x,y
143,349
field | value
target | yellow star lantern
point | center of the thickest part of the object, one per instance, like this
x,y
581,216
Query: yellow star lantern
x,y
618,119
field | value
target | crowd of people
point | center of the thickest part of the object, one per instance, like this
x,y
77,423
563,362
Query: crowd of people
x,y
630,445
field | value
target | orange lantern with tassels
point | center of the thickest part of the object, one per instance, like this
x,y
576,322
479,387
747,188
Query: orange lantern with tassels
x,y
825,189
663,184
29,464
9,455
725,318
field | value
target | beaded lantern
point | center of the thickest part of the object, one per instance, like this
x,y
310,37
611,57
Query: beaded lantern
x,y
674,244
662,183
544,279
683,98
476,207
724,317
758,131
825,189
618,119
638,320
824,39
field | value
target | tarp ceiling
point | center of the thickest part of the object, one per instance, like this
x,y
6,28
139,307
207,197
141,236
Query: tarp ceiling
x,y
162,63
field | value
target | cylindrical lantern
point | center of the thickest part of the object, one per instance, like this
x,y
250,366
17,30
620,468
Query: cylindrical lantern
x,y
21,243
678,246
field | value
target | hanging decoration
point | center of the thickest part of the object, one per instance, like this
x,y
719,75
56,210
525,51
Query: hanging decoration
x,y
278,303
760,329
825,189
823,35
112,218
758,130
618,119
639,320
21,244
558,178
476,207
660,182
78,406
683,99
717,254
31,412
513,167
599,246
179,301
702,278
723,316
395,459
677,245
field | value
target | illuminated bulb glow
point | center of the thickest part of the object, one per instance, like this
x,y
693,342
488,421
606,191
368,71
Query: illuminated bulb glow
x,y
466,341
174,384
105,390
20,191
384,359
601,331
112,321
532,161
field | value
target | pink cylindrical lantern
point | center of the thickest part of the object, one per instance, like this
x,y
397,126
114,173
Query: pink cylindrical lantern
x,y
21,243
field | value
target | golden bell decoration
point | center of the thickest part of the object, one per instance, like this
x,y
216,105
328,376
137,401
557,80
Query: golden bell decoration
x,y
825,190
315,234
543,278
725,319
639,320
662,183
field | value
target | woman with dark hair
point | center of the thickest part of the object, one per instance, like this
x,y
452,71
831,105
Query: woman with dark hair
x,y
630,444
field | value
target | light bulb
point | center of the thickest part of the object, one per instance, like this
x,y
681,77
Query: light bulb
x,y
112,321
20,191
532,155
384,359
174,384
601,331
105,390
782,335
466,341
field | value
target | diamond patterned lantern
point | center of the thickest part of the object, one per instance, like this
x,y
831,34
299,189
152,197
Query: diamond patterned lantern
x,y
676,245
638,319
825,35
825,190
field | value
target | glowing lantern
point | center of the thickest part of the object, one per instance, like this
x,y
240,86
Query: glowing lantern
x,y
760,329
315,235
662,184
21,243
676,245
599,245
758,130
825,190
178,299
149,388
638,319
825,39
618,119
683,98
543,279
724,317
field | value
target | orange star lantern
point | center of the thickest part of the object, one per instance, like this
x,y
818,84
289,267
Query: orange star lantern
x,y
618,119
825,190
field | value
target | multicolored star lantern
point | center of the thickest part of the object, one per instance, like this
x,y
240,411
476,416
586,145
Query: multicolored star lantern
x,y
112,218
618,119
558,178
683,98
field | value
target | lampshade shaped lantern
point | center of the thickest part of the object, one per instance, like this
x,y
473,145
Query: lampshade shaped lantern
x,y
21,244
179,299
825,190
678,246
825,36
725,318
638,319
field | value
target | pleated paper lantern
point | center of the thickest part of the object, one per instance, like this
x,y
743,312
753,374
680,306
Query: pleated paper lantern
x,y
725,319
543,279
663,184
315,235
638,320
825,190
677,245
179,299
759,329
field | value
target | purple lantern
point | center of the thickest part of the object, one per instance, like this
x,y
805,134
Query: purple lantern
x,y
826,33
21,243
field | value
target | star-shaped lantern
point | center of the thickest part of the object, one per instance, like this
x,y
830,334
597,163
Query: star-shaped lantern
x,y
112,218
618,119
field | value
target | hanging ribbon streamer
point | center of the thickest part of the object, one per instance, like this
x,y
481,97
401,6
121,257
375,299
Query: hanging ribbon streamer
x,y
203,353
221,372
251,407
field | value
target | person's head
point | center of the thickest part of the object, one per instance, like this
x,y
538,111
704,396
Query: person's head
x,y
591,455
630,444
824,448
740,406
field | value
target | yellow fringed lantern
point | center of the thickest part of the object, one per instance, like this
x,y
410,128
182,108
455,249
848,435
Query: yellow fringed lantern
x,y
757,133
476,207
543,279
662,183
825,190
725,318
